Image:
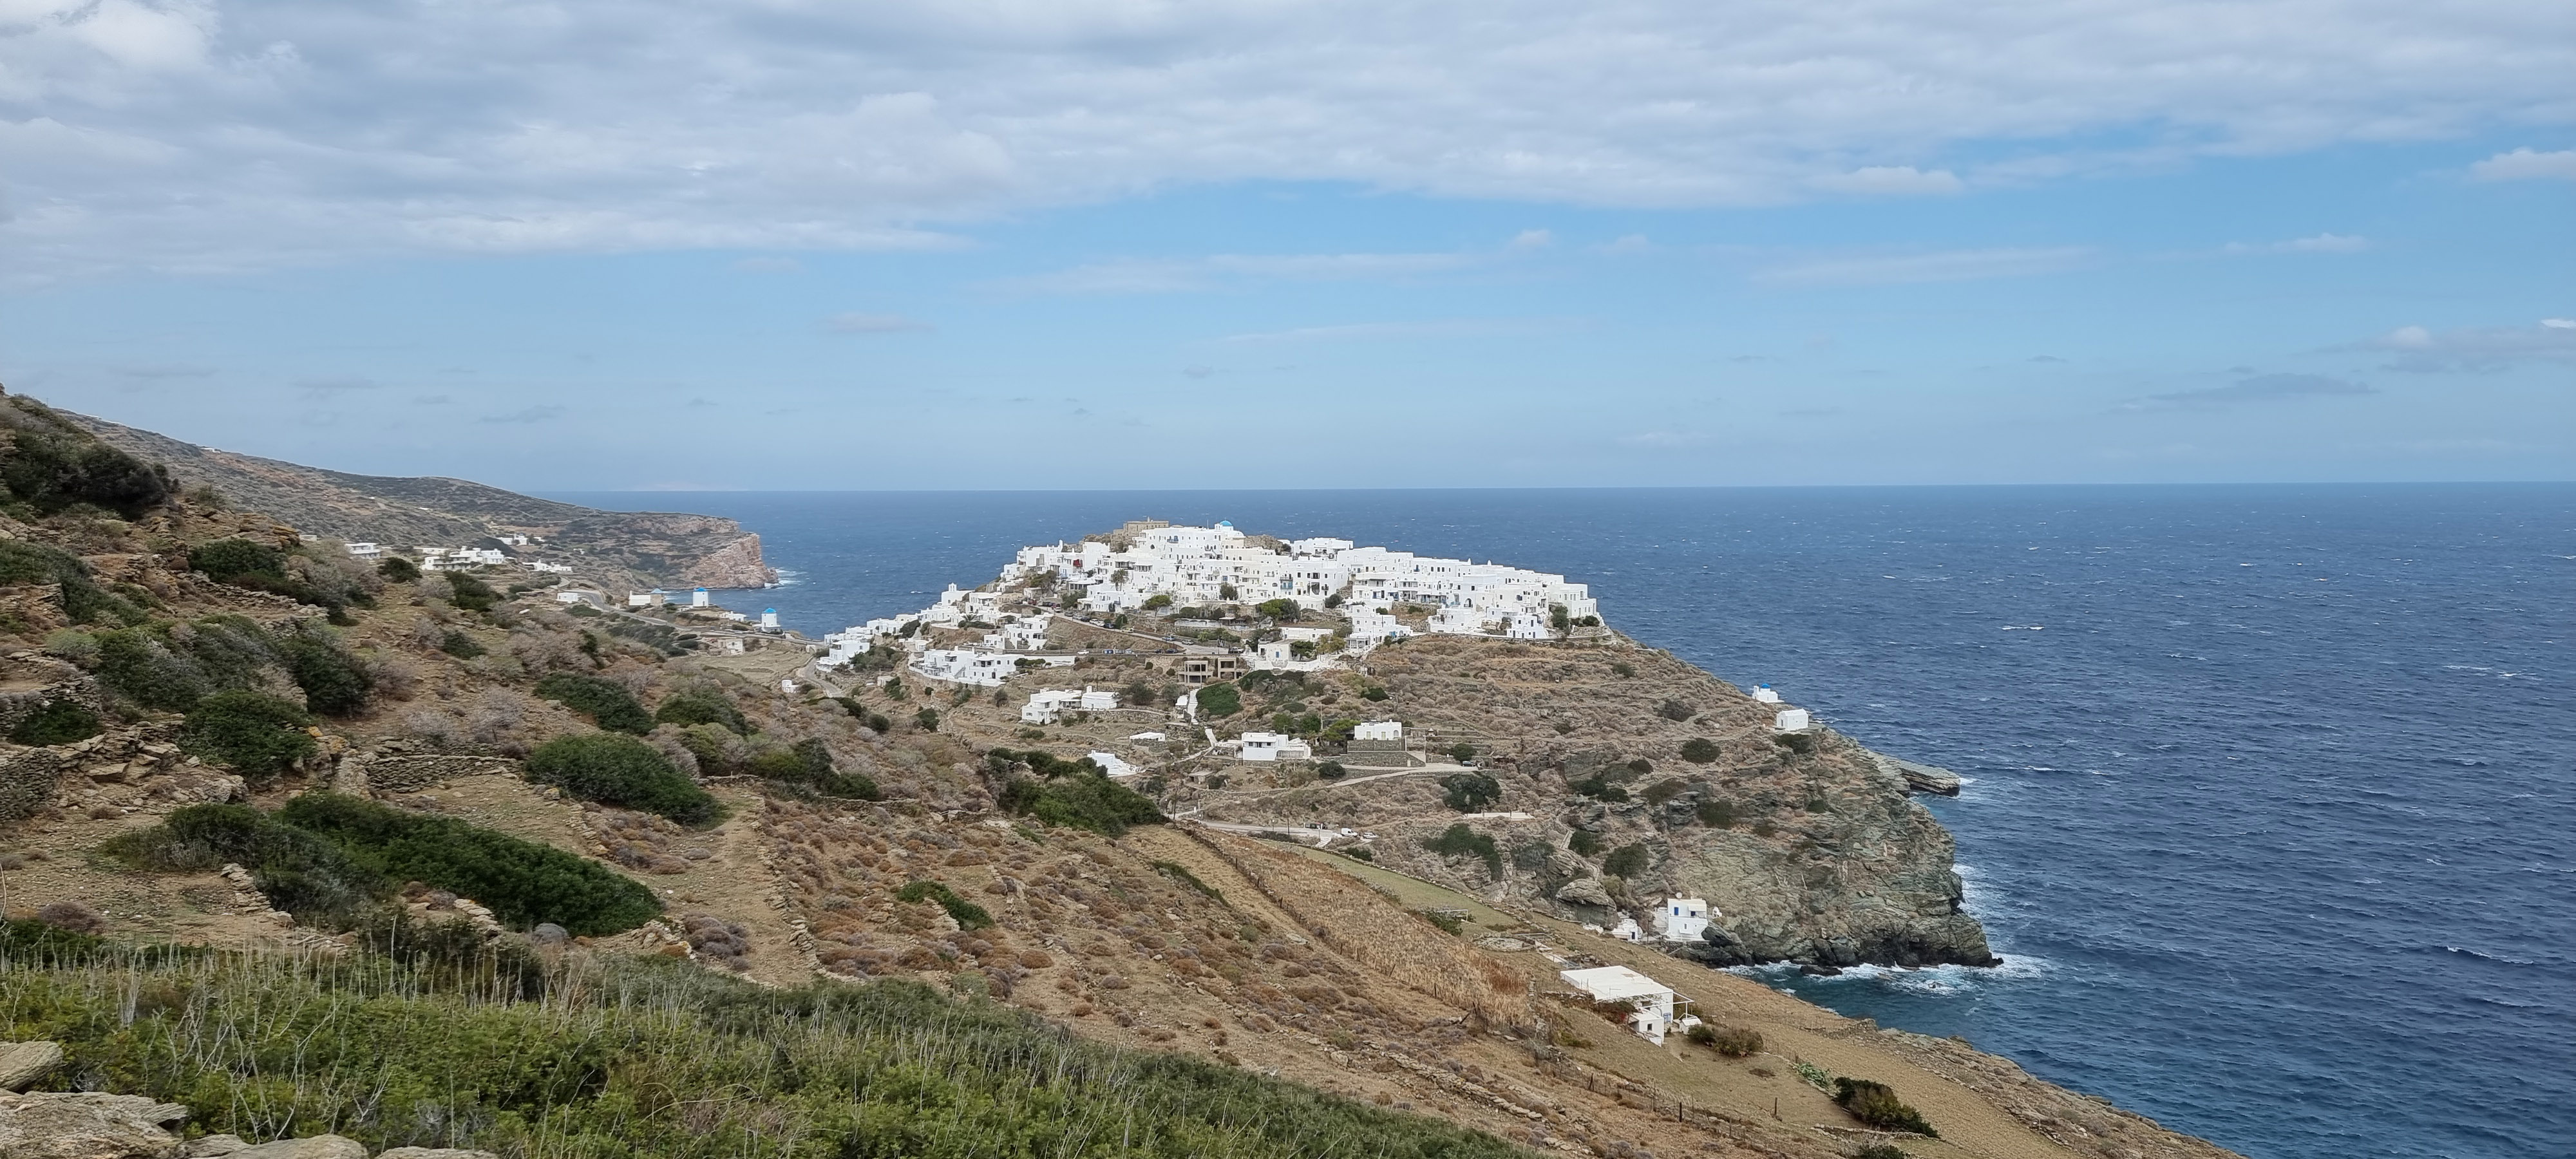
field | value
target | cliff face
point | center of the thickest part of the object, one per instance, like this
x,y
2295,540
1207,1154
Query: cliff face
x,y
1808,848
619,548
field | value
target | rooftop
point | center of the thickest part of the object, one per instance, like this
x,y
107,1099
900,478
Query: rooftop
x,y
1612,983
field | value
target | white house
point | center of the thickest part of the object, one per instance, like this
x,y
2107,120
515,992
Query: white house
x,y
1683,919
1110,764
1147,736
966,666
652,599
366,550
578,596
1652,1000
700,599
769,619
1791,720
1379,730
1051,705
1272,746
1763,694
541,567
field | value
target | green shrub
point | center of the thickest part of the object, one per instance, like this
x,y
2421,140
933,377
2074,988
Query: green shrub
x,y
1875,1104
1600,788
523,883
1449,921
701,706
927,719
1358,853
1731,1041
302,873
1086,800
49,463
1459,839
28,944
620,770
1220,700
1625,861
1664,790
1625,670
1181,873
1674,710
1717,814
460,645
1462,752
808,763
84,601
969,915
259,735
606,702
1585,843
226,560
1156,602
398,569
139,665
1699,750
1283,610
335,683
467,593
1469,792
1372,692
1331,771
58,722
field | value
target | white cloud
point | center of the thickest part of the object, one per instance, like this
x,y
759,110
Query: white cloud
x,y
1892,181
1944,266
2481,349
305,132
1532,239
1444,328
874,324
2526,165
2324,243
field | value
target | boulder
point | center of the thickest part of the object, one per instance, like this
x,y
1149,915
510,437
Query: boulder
x,y
24,1064
435,1153
88,1126
317,1147
1584,891
215,1146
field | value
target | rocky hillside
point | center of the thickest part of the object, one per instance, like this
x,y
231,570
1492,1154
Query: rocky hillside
x,y
587,885
627,549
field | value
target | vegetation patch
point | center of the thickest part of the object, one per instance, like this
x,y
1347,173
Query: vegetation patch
x,y
1731,1041
1083,801
1220,700
701,706
606,702
84,602
1875,1104
1469,792
50,464
969,915
258,735
58,722
1181,873
1625,861
626,1056
614,769
1459,840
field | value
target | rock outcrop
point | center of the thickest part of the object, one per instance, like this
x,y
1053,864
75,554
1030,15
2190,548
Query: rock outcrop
x,y
89,1126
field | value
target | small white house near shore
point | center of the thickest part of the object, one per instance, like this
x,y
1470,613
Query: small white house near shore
x,y
1791,720
1683,919
1652,1000
1378,730
1052,705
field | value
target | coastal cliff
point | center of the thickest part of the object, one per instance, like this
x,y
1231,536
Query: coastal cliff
x,y
1807,847
618,548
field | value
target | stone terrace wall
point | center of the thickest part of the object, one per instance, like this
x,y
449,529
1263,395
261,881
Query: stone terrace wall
x,y
409,774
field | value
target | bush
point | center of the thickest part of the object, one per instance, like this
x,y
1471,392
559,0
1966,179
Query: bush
x,y
1585,843
1625,670
1372,693
1699,750
58,722
1331,771
523,883
335,683
1282,610
1358,853
299,872
1717,814
259,735
1873,1103
1462,752
460,645
927,719
701,706
1731,1041
1469,792
808,763
1600,788
50,463
1156,602
398,569
1086,800
620,770
969,915
227,560
1625,861
606,702
1664,790
1674,710
1220,700
140,666
1458,840
470,594
84,601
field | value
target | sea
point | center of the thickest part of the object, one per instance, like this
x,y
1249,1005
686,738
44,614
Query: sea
x,y
2270,791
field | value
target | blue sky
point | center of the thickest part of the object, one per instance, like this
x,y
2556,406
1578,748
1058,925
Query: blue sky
x,y
780,246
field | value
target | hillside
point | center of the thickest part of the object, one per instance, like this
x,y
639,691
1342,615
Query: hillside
x,y
644,902
625,549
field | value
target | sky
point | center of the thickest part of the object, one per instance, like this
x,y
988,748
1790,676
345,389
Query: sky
x,y
783,244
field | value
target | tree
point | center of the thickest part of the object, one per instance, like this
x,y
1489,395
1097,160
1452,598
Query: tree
x,y
470,594
1283,609
1558,619
1462,752
1227,593
1625,861
1330,771
1156,602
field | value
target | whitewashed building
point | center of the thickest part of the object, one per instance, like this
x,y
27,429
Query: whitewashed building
x,y
1683,919
1652,1000
1273,746
1111,764
366,550
1378,730
1791,720
1052,705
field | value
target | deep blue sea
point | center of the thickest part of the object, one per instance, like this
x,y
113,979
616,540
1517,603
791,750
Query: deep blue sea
x,y
2272,789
